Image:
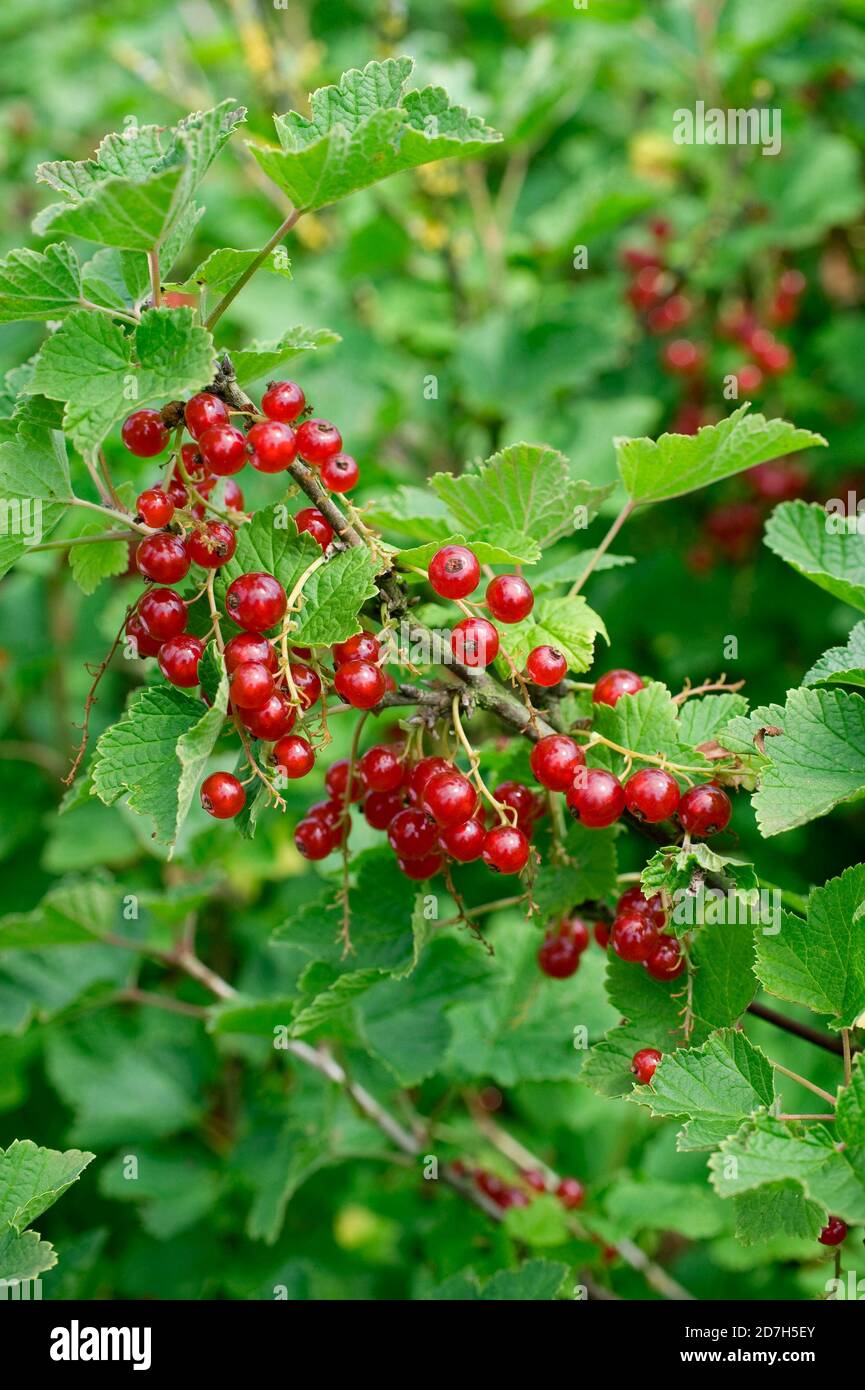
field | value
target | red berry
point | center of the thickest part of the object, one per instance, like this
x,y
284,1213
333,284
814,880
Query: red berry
x,y
379,808
179,658
412,835
249,646
163,613
577,930
652,794
203,411
474,642
318,441
450,798
774,357
749,379
144,433
683,356
283,400
554,761
666,961
255,601
318,526
464,841
143,643
454,571
598,798
521,800
559,956
155,507
780,480
336,781
177,494
643,1064
274,446
233,496
704,810
213,545
612,686
224,449
423,771
360,684
306,683
340,473
314,838
222,795
635,900
361,647
294,756
509,598
570,1193
834,1232
506,850
273,720
382,770
546,666
634,936
251,685
163,558
193,464
535,1180
331,812
601,933
420,869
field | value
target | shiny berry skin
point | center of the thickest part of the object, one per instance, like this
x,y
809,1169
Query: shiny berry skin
x,y
318,526
222,795
379,808
283,400
145,645
203,411
251,685
381,769
336,781
213,546
834,1232
704,810
163,613
179,658
318,441
474,642
331,812
224,450
423,771
233,496
643,1064
634,937
506,850
340,473
249,646
559,956
598,800
193,464
361,647
454,571
412,835
163,558
546,666
612,686
635,900
273,719
577,930
509,598
554,761
255,601
519,799
652,795
144,433
273,445
570,1193
449,797
314,838
360,684
155,507
306,683
464,841
666,962
178,494
420,869
601,933
293,756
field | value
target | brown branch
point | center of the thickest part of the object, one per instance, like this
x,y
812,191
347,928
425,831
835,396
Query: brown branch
x,y
799,1030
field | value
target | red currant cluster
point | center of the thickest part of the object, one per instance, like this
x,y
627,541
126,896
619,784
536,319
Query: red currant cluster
x,y
570,1191
454,572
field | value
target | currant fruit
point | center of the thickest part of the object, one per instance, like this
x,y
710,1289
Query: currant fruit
x,y
360,684
224,449
251,685
420,869
312,520
464,841
336,781
222,795
570,1193
509,598
644,1063
249,646
666,961
144,433
340,473
213,545
163,613
474,642
652,794
273,719
423,771
283,400
203,411
412,835
379,808
306,682
704,810
361,647
635,900
559,956
155,507
454,571
273,445
450,798
546,666
255,601
506,850
634,937
834,1232
318,441
144,644
598,798
294,756
554,761
381,769
179,658
314,838
163,558
612,686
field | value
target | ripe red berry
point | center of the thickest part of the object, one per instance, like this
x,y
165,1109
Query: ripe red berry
x,y
704,810
634,936
340,473
294,756
251,685
666,962
318,441
612,686
749,379
379,808
643,1064
598,798
213,545
233,496
412,834
570,1193
163,558
331,812
546,666
509,598
635,900
420,869
423,771
222,795
601,933
381,769
312,520
360,684
361,647
577,930
255,601
454,571
203,411
193,464
155,507
464,841
314,838
224,449
336,781
774,357
179,658
274,446
506,850
450,798
834,1232
144,433
554,761
652,794
249,646
283,400
143,643
177,494
683,356
521,800
163,613
273,719
474,642
306,682
535,1180
559,956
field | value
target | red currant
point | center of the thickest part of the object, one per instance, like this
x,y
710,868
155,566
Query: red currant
x,y
509,598
546,666
340,473
554,761
577,930
535,1180
464,841
454,571
283,400
336,781
222,795
193,464
652,795
612,686
519,799
163,613
274,446
683,356
233,496
559,956
255,601
704,810
155,507
379,808
318,441
144,644
635,900
249,646
634,937
273,720
294,756
474,642
421,869
224,449
598,799
251,685
570,1193
314,838
306,682
506,850
412,835
423,771
312,520
212,546
644,1063
834,1232
203,411
601,933
361,647
381,769
177,494
450,798
179,658
666,962
360,684
163,558
144,433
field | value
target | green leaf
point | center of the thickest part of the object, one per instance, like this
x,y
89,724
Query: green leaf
x,y
701,719
363,130
24,1256
173,1190
262,359
411,511
535,1280
222,269
841,665
543,1223
32,1179
573,567
714,1087
765,1151
99,371
118,279
523,550
90,564
775,1209
590,873
821,547
655,1205
69,914
39,284
850,1113
333,598
269,544
646,722
722,956
566,623
34,487
679,463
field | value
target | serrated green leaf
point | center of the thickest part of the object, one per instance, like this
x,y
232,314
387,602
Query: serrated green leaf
x,y
70,913
523,551
714,1087
39,284
534,1281
701,719
590,874
566,623
543,1223
261,359
118,279
24,1256
779,1208
850,1112
32,1179
90,564
34,487
411,511
269,544
821,547
765,1151
722,957
220,270
173,1190
646,722
655,1205
333,597
841,665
